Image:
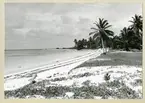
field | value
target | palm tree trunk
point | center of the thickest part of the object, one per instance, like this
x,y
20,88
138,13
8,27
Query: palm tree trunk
x,y
102,44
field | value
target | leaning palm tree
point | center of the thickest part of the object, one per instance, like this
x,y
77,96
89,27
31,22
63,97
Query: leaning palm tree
x,y
137,25
102,33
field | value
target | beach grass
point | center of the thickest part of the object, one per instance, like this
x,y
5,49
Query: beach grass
x,y
114,58
116,89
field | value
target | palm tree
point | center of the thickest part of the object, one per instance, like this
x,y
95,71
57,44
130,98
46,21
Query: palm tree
x,y
137,26
75,41
90,43
126,36
85,43
102,32
137,23
116,42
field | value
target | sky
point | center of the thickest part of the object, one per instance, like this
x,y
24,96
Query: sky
x,y
36,26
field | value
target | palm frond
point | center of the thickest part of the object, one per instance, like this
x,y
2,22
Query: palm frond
x,y
97,25
100,22
96,35
92,32
107,26
131,21
109,32
104,23
94,28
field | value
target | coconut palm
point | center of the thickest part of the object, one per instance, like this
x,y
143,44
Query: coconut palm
x,y
102,33
116,42
90,42
75,41
137,23
124,38
127,36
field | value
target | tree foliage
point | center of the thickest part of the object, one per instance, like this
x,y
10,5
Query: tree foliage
x,y
101,36
130,37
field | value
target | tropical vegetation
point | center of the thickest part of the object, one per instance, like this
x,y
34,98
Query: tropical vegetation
x,y
102,36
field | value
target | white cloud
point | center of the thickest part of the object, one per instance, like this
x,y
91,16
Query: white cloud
x,y
39,22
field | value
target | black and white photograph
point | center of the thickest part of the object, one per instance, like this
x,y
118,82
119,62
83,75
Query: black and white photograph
x,y
73,51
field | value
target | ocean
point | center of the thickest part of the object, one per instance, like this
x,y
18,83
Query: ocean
x,y
26,59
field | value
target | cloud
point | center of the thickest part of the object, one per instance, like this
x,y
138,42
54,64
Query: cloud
x,y
35,24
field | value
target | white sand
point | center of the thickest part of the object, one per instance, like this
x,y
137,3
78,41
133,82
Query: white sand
x,y
62,67
16,83
127,74
35,97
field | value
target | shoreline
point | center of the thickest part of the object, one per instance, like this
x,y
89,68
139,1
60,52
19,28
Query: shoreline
x,y
54,63
42,60
29,73
125,80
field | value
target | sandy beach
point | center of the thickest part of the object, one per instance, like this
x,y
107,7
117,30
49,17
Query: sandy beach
x,y
11,80
73,51
81,78
23,60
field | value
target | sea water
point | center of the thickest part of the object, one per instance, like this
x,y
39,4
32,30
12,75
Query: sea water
x,y
26,59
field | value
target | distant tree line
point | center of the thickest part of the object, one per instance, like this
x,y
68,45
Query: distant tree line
x,y
85,44
129,38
